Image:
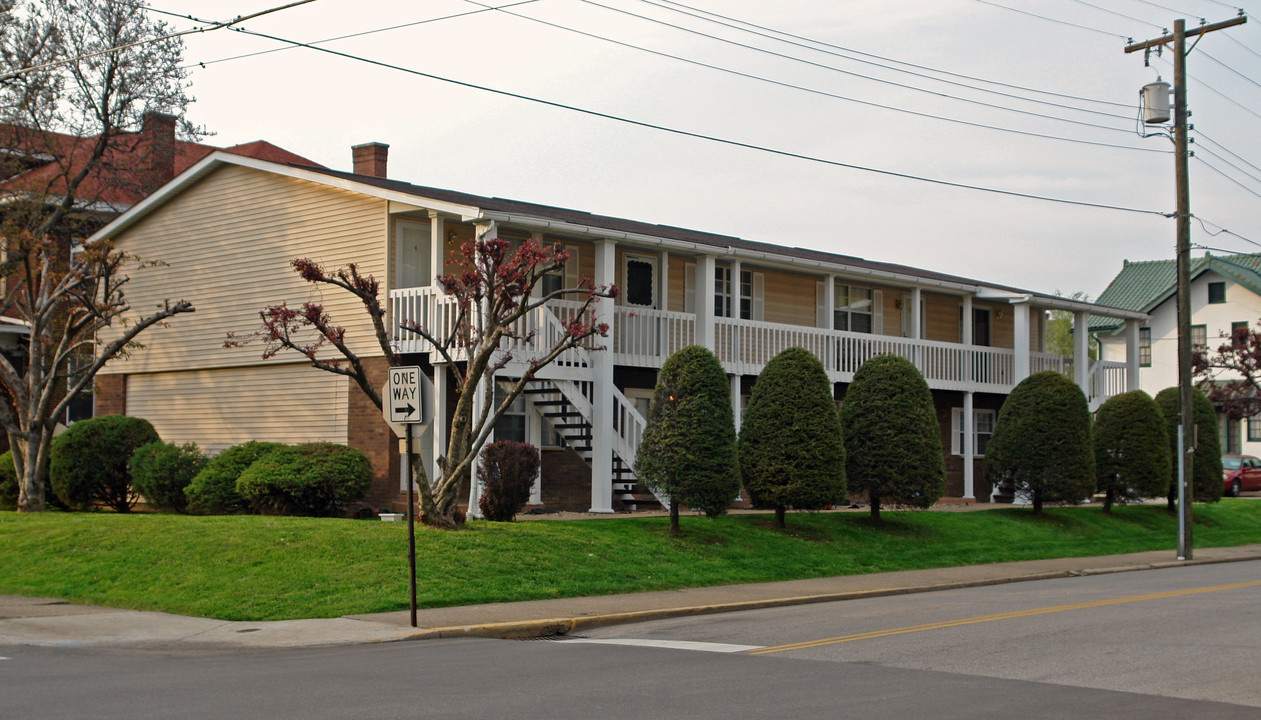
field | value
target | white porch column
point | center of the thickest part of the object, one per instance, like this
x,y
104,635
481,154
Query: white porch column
x,y
663,304
830,361
917,313
1081,353
437,245
1131,355
736,412
441,388
475,482
735,310
602,396
706,266
969,448
966,322
1020,330
534,436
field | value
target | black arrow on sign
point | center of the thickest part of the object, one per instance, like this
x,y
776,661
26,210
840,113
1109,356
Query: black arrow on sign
x,y
409,409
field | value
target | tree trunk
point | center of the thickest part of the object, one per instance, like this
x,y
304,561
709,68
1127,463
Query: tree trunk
x,y
780,524
1107,501
674,517
875,508
30,478
1037,502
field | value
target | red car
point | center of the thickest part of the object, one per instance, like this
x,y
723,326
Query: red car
x,y
1241,472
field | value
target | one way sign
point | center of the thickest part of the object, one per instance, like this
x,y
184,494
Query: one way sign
x,y
405,399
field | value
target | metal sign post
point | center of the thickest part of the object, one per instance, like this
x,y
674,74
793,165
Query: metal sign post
x,y
406,403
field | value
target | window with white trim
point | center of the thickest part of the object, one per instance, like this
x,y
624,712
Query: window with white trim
x,y
853,310
750,300
982,430
510,425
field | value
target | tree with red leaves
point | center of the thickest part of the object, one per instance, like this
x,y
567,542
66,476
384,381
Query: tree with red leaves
x,y
1231,376
493,294
62,304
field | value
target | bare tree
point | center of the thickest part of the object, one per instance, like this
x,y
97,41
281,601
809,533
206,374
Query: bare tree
x,y
77,80
64,305
492,295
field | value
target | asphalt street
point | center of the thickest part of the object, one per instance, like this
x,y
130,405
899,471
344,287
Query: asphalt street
x,y
1168,643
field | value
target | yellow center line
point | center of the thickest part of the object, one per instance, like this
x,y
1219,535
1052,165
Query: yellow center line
x,y
998,616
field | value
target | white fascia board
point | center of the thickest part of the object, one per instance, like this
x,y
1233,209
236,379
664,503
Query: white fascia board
x,y
220,158
765,258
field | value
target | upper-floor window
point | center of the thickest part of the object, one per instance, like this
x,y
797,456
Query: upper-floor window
x,y
1199,336
1217,292
853,310
1145,347
724,293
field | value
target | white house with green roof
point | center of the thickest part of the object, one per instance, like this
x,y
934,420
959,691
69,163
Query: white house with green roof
x,y
1225,294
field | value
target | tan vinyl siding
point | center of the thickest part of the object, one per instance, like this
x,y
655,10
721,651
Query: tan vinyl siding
x,y
677,291
1002,326
941,317
789,298
247,225
220,408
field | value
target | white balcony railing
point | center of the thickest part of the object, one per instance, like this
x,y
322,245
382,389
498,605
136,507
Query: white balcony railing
x,y
645,338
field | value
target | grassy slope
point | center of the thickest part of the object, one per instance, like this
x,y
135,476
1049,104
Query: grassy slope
x,y
268,568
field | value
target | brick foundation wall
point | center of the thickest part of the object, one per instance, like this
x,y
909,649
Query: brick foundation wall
x,y
367,431
111,395
566,480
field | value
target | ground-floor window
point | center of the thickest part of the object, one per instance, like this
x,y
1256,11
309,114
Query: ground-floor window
x,y
511,425
1254,428
982,430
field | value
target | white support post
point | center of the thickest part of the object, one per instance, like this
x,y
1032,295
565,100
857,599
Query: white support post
x,y
437,246
966,334
1020,330
917,313
440,389
736,415
830,360
663,304
735,311
1131,356
475,482
1081,353
706,266
969,448
602,396
534,436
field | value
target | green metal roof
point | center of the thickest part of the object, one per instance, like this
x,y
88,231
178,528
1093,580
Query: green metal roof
x,y
1141,286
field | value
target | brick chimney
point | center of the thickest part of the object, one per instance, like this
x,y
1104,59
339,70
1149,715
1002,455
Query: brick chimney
x,y
370,158
157,136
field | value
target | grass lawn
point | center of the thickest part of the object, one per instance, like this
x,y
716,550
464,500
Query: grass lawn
x,y
273,568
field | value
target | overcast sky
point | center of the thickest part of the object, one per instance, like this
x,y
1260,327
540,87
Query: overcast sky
x,y
471,140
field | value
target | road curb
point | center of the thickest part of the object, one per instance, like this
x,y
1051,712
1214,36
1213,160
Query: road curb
x,y
548,627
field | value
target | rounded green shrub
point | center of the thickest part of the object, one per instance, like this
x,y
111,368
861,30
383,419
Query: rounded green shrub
x,y
1206,461
319,479
1131,449
9,488
160,472
892,439
1041,445
88,463
213,490
688,450
507,471
790,449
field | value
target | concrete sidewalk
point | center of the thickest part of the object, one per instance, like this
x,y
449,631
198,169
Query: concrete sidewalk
x,y
49,622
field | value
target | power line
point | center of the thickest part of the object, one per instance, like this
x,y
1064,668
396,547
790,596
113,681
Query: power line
x,y
1219,62
1222,95
1210,166
342,37
1231,38
815,91
1236,167
1225,149
1169,9
698,12
150,41
1120,15
1221,230
860,75
700,136
1050,19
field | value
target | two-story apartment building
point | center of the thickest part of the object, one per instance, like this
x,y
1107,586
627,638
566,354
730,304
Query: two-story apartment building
x,y
1225,294
228,227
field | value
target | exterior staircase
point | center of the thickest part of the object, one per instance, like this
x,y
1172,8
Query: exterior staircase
x,y
566,405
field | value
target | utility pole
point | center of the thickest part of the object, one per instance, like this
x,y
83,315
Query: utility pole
x,y
1181,155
